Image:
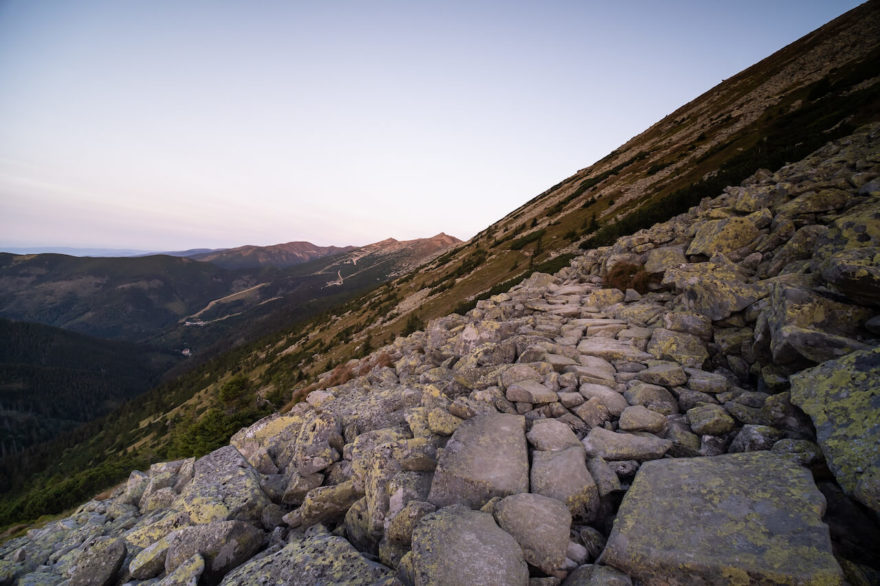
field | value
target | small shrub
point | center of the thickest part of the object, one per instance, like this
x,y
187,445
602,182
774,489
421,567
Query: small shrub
x,y
625,276
413,324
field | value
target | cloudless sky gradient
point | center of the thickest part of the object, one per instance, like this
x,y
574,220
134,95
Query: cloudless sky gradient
x,y
173,124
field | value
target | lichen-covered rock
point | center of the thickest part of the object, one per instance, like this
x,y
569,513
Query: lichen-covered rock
x,y
404,522
624,446
188,573
660,259
149,562
593,575
224,486
801,324
855,273
710,419
732,519
563,475
223,545
540,525
669,374
318,443
98,562
653,397
328,503
456,545
842,397
486,456
315,558
723,236
679,347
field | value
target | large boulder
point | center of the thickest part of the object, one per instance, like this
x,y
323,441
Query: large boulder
x,y
224,486
540,525
456,545
732,519
801,324
317,558
486,457
842,397
98,562
222,544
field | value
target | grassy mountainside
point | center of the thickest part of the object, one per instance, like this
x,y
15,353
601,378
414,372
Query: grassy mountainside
x,y
782,108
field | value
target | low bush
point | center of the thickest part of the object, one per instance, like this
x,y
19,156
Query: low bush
x,y
625,276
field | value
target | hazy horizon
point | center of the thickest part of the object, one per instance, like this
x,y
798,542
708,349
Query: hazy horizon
x,y
169,126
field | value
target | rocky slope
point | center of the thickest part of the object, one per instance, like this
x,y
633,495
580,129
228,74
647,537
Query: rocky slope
x,y
719,427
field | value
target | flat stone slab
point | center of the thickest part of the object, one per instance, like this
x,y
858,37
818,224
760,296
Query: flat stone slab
x,y
732,519
611,349
842,397
624,446
486,457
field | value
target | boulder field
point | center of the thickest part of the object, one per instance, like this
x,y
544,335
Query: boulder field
x,y
720,427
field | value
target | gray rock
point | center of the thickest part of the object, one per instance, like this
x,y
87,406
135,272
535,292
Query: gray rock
x,y
624,446
540,525
528,391
737,518
97,562
752,438
319,443
679,347
706,382
150,561
486,456
456,545
563,475
401,527
222,544
611,349
842,397
606,480
611,399
298,485
551,434
639,418
593,575
318,558
224,486
654,397
710,419
328,503
669,374
188,573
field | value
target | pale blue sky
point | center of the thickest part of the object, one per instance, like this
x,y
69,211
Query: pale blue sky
x,y
172,124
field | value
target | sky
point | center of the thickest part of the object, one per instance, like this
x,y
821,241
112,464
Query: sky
x,y
176,124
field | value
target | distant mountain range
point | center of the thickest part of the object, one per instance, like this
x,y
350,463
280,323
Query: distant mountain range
x,y
178,303
278,255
